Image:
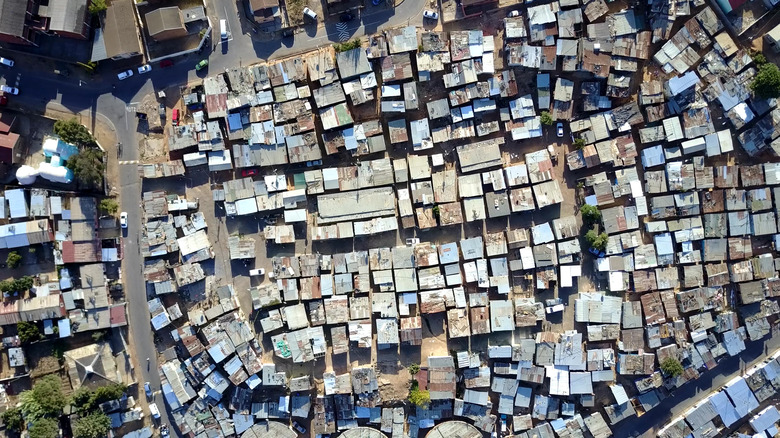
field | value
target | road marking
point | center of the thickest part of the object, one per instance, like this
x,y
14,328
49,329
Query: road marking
x,y
128,161
343,34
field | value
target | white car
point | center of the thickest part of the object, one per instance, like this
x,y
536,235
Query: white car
x,y
124,75
431,15
123,219
514,13
6,61
559,129
311,14
154,410
10,90
144,69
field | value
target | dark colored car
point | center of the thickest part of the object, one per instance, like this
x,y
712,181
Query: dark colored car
x,y
166,63
347,17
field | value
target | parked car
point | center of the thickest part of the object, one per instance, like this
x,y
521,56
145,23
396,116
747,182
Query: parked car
x,y
164,433
559,129
256,272
299,428
309,13
596,252
146,68
124,75
175,117
314,163
166,63
155,412
201,65
346,17
248,172
3,100
6,61
514,13
123,220
162,110
9,90
148,389
431,15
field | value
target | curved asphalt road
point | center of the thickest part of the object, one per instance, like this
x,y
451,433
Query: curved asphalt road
x,y
107,99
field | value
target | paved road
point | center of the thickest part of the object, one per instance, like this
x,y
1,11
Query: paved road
x,y
692,392
107,98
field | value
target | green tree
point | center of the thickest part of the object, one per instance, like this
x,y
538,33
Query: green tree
x,y
419,397
766,83
87,166
596,240
95,425
71,131
97,6
758,58
414,369
546,118
671,367
86,401
13,260
44,428
109,205
45,399
590,213
13,420
579,143
28,332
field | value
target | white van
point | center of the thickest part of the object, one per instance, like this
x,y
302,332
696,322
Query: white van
x,y
155,412
311,14
256,272
223,29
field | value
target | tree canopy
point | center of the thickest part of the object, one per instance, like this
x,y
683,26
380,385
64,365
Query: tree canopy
x,y
71,131
546,118
419,397
590,213
671,367
766,83
94,425
16,285
45,399
12,418
44,428
13,260
596,240
109,205
88,401
87,166
97,6
28,332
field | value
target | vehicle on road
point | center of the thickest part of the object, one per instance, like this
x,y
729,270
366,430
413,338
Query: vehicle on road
x,y
248,172
514,13
6,61
299,428
164,433
155,412
431,15
124,75
201,65
166,63
346,17
309,13
9,90
314,163
223,32
148,389
559,129
123,219
146,68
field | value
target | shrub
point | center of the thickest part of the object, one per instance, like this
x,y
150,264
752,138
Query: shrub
x,y
97,6
590,213
349,45
13,260
671,367
579,143
546,118
28,332
419,397
13,420
414,369
766,83
109,205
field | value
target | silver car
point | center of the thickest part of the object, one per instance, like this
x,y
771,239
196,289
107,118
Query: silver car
x,y
124,75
